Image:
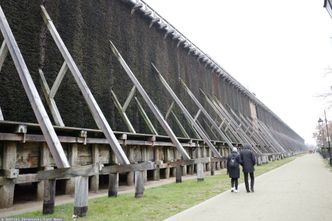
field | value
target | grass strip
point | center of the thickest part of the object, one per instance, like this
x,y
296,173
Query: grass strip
x,y
159,202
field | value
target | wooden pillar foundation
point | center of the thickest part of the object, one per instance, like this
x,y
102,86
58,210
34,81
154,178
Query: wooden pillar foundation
x,y
49,196
113,185
178,174
81,196
95,179
139,184
8,163
200,172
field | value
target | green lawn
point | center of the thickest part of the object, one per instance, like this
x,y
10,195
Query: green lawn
x,y
158,203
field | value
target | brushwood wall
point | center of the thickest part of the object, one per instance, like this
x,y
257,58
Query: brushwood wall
x,y
86,28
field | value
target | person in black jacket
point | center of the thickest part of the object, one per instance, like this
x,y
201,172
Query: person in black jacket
x,y
248,162
233,169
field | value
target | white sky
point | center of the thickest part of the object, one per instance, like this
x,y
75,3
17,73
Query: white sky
x,y
278,49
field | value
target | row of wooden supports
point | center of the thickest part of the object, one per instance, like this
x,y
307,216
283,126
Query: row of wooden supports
x,y
81,182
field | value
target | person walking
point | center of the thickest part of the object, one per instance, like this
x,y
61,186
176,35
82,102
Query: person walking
x,y
233,169
248,161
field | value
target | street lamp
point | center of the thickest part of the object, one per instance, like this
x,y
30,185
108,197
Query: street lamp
x,y
328,139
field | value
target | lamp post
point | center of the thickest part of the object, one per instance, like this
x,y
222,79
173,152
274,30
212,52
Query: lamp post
x,y
321,132
328,139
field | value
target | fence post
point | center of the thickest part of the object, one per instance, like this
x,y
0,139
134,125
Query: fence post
x,y
81,196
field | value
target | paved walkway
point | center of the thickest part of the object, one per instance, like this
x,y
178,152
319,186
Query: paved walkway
x,y
299,190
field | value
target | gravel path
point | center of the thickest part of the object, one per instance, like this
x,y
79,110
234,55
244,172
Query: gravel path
x,y
299,190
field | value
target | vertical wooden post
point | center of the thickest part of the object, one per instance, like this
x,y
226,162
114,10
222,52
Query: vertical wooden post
x,y
178,178
200,172
113,185
156,172
145,158
95,159
49,196
8,162
73,161
209,165
168,159
130,175
213,165
81,196
139,184
44,164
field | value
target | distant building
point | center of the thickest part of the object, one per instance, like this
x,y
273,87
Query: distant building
x,y
328,6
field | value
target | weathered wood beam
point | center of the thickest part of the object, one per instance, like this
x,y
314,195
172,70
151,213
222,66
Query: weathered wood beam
x,y
81,196
128,168
89,98
129,98
50,101
186,113
33,96
169,110
177,121
149,102
146,117
58,80
61,173
122,113
1,115
3,53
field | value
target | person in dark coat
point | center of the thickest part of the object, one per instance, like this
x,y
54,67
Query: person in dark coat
x,y
248,162
233,169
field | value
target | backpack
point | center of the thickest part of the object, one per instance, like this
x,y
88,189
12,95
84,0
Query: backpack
x,y
233,162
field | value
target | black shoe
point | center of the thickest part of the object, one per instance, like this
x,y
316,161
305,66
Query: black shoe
x,y
248,191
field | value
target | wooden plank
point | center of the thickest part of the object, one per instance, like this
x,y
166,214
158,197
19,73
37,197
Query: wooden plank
x,y
27,155
50,101
1,115
89,98
3,53
150,104
58,80
146,117
129,98
186,113
183,131
95,160
169,110
81,196
127,168
88,170
122,113
33,96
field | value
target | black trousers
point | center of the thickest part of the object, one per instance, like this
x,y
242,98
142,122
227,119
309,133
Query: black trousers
x,y
252,181
234,182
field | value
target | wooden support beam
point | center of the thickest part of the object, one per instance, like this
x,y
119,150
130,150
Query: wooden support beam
x,y
200,172
178,174
89,98
49,197
74,162
169,110
58,80
139,184
95,160
145,117
186,112
3,53
32,94
113,185
184,132
1,115
65,173
122,113
8,163
129,98
50,101
149,102
81,196
45,165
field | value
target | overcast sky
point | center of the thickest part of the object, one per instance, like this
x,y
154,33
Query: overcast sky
x,y
279,50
